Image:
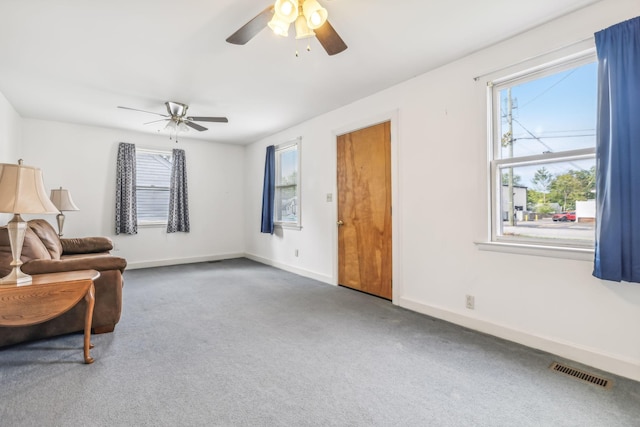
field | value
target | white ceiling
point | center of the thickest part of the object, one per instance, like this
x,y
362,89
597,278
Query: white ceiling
x,y
77,60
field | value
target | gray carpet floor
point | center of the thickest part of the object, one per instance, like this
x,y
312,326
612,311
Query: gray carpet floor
x,y
237,343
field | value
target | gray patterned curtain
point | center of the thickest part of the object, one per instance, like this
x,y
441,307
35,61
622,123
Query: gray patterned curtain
x,y
126,210
178,195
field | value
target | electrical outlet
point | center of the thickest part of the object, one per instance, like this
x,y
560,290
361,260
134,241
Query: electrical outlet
x,y
329,197
471,302
296,252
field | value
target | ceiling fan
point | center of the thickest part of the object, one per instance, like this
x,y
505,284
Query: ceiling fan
x,y
310,20
177,119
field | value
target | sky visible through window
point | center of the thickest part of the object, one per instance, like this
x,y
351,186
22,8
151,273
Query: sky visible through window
x,y
552,114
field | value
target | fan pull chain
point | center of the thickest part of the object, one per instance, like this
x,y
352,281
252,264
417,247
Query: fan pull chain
x,y
298,53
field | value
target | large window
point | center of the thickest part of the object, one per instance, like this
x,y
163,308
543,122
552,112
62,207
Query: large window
x,y
153,178
543,155
287,185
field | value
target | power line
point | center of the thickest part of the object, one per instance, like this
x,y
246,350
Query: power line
x,y
532,135
550,87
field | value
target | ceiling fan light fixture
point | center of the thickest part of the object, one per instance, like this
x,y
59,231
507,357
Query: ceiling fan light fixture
x,y
279,26
315,14
302,29
287,10
171,126
182,127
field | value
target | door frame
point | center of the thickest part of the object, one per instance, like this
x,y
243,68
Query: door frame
x,y
396,232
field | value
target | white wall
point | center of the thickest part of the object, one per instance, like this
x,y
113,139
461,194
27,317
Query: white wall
x,y
10,132
10,137
440,137
83,160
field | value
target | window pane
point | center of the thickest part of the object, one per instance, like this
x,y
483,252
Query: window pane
x,y
153,178
288,167
153,204
549,201
550,114
287,204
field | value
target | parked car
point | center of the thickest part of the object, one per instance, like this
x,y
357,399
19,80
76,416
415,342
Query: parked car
x,y
564,216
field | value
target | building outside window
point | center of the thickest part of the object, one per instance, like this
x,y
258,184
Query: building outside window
x,y
543,155
287,185
153,179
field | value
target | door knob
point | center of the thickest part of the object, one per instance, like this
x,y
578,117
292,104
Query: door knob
x,y
339,223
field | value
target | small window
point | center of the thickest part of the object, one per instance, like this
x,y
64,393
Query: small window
x,y
153,178
287,185
543,155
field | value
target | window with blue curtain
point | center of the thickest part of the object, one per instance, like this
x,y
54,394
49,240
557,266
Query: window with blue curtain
x,y
268,191
617,245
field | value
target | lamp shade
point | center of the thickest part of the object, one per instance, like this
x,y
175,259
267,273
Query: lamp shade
x,y
61,198
22,190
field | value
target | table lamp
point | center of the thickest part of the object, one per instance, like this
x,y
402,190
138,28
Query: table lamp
x,y
61,198
21,192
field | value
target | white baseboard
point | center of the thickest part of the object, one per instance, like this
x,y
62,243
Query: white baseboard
x,y
301,271
176,261
606,362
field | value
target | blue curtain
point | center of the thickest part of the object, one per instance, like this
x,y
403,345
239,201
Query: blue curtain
x,y
178,219
126,208
617,251
268,190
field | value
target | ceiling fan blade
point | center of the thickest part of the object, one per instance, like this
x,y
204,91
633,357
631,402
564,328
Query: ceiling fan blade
x,y
194,125
251,28
156,121
329,39
143,111
209,119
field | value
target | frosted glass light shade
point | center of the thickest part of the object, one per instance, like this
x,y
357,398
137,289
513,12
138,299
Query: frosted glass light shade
x,y
302,29
279,26
287,10
182,127
171,126
315,14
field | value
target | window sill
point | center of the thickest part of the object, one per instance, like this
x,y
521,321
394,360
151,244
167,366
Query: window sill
x,y
289,226
580,254
152,224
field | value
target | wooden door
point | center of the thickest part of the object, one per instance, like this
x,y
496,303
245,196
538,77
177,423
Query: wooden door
x,y
364,210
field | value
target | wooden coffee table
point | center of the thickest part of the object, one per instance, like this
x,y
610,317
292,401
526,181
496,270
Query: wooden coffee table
x,y
49,296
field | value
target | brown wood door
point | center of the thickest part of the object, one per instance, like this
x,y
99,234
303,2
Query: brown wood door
x,y
364,210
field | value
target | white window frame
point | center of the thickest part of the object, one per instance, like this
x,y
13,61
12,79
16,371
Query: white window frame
x,y
516,244
156,223
296,143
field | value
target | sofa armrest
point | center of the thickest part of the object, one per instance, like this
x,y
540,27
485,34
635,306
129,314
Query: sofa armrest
x,y
85,245
100,263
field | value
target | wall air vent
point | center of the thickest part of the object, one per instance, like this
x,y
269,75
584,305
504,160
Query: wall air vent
x,y
582,375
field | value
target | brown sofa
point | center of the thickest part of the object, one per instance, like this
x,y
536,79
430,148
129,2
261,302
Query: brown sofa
x,y
44,252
